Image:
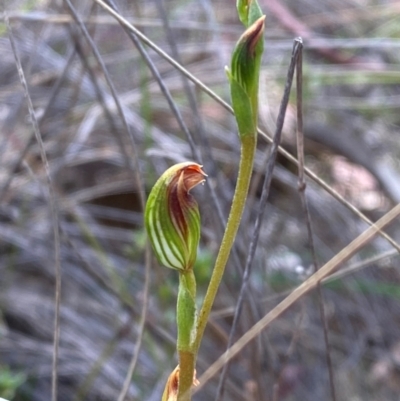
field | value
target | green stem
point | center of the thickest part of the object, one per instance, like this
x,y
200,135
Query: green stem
x,y
186,322
244,175
186,311
186,373
188,280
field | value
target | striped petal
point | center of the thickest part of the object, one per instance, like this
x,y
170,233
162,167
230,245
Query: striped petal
x,y
172,216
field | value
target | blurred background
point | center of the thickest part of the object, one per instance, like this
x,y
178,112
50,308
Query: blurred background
x,y
100,165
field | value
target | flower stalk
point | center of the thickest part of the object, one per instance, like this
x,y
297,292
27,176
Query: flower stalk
x,y
243,77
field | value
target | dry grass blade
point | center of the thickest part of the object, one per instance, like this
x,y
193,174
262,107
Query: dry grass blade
x,y
361,265
302,190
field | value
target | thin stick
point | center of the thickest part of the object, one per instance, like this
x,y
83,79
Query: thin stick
x,y
360,265
261,209
224,104
302,192
301,290
53,210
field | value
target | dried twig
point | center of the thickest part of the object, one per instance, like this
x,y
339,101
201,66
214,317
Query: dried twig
x,y
302,191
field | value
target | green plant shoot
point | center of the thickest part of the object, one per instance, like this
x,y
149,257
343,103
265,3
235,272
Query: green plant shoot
x,y
172,217
172,222
243,77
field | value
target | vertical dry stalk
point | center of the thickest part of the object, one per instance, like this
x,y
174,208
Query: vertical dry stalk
x,y
302,192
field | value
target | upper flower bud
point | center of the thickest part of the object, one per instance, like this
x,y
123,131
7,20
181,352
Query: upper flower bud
x,y
244,75
246,57
172,216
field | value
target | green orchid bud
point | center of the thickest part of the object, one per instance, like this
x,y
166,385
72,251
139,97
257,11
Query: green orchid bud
x,y
244,76
172,216
249,11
